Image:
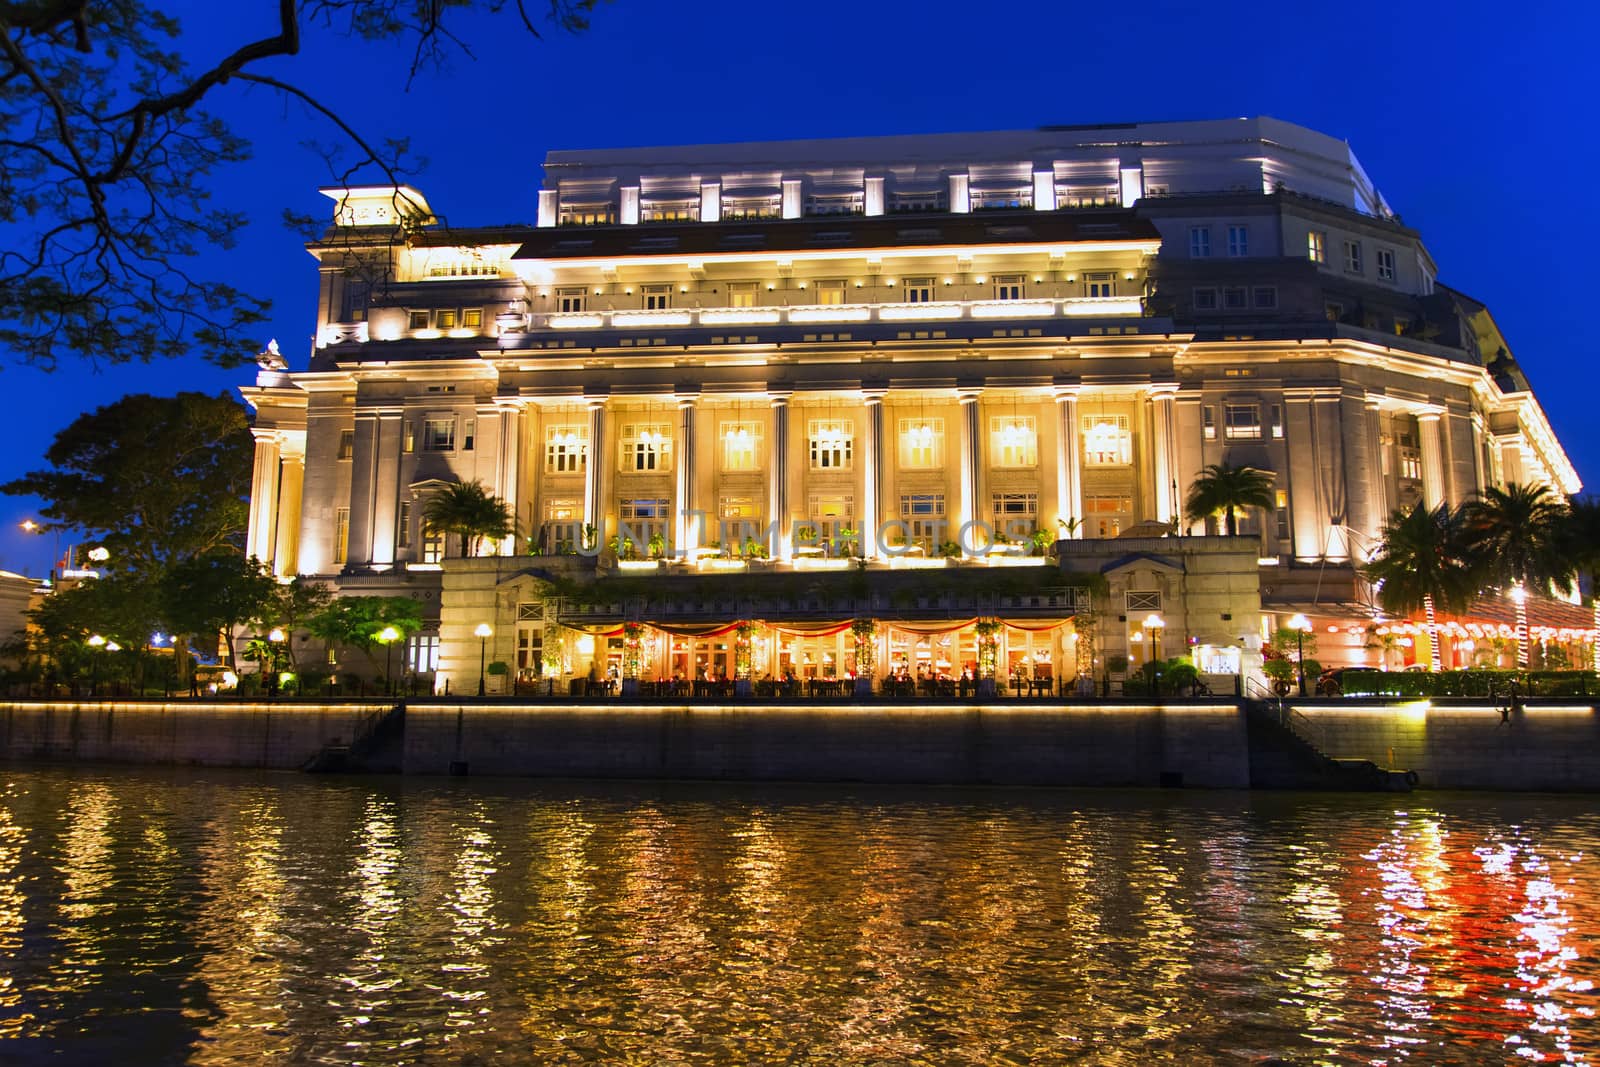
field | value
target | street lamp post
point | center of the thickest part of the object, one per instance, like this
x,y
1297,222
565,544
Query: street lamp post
x,y
275,637
1300,625
96,642
483,633
388,635
1154,624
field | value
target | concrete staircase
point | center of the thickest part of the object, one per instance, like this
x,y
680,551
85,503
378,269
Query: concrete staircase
x,y
377,747
1285,755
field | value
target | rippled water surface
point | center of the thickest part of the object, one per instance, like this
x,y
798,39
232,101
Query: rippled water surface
x,y
222,918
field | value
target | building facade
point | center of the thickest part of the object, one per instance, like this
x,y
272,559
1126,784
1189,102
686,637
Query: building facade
x,y
730,364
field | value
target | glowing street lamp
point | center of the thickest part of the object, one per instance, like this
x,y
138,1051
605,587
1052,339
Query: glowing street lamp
x,y
483,633
1519,597
1154,623
95,642
1301,626
387,637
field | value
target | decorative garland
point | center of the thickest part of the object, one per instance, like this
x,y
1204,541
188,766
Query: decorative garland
x,y
864,630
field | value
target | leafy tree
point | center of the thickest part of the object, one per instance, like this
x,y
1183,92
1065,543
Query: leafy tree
x,y
156,480
469,511
217,594
105,195
356,621
1424,562
123,608
1227,489
294,604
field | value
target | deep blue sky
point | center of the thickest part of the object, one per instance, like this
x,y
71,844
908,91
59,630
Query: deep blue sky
x,y
1473,119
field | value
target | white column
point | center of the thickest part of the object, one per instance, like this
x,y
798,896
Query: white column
x,y
507,465
685,527
291,484
871,474
960,200
363,487
1375,447
969,460
793,207
549,207
260,538
1069,481
628,205
873,197
1166,469
711,202
1433,489
777,477
599,455
1044,190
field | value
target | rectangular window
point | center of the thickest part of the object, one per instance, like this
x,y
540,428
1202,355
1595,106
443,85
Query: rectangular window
x,y
1205,299
1281,500
1402,325
1008,287
439,435
403,530
563,534
1334,312
741,445
1352,257
908,203
1013,441
530,651
741,294
657,297
831,444
1277,422
1265,296
921,444
1233,298
835,204
347,444
1241,421
645,447
739,520
469,432
1107,441
1386,264
432,544
566,449
1200,242
670,210
596,214
830,291
1317,246
740,208
924,516
422,653
472,318
1001,199
1016,515
341,534
1104,515
445,318
418,320
1100,284
571,299
919,290
1238,240
1208,422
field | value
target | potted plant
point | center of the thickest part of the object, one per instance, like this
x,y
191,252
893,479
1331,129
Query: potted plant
x,y
497,672
657,545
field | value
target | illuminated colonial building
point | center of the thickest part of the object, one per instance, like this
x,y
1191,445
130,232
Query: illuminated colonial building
x,y
927,353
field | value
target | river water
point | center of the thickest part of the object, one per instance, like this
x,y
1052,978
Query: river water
x,y
214,917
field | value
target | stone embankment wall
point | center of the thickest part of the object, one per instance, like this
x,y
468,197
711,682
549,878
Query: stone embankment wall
x,y
955,744
220,734
1541,746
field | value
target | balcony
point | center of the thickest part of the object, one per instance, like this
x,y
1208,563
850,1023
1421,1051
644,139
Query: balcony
x,y
823,314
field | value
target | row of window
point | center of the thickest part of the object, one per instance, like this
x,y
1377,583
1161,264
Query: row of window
x,y
1241,421
851,202
1235,297
1354,256
1200,241
832,291
830,444
445,319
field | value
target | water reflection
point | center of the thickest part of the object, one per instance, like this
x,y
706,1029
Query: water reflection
x,y
247,919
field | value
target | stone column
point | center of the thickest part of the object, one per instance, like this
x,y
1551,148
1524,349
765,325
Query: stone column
x,y
594,485
1069,478
1162,396
970,457
506,467
386,488
685,526
1481,476
1363,485
1373,426
1433,484
260,537
363,483
291,484
871,474
778,477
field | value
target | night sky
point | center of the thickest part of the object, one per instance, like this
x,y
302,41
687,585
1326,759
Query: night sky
x,y
1472,119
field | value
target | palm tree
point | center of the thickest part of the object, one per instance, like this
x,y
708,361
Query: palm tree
x,y
1516,534
1581,545
470,511
1224,488
1423,562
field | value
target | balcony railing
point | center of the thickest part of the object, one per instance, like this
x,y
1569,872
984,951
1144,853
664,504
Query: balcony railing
x,y
829,314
